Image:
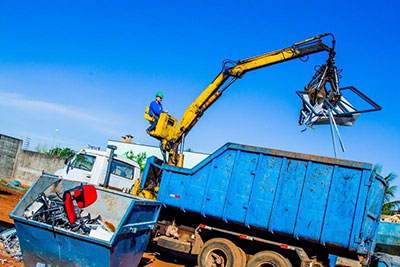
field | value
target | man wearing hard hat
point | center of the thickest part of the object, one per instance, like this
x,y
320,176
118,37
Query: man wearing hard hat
x,y
155,110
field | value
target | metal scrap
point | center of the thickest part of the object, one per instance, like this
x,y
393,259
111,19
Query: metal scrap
x,y
49,209
9,240
394,218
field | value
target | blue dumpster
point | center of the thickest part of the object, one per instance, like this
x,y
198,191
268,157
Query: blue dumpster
x,y
132,217
318,200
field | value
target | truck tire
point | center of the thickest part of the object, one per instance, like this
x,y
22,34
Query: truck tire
x,y
219,252
243,257
268,258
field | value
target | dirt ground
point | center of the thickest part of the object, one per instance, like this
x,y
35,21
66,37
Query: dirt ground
x,y
9,199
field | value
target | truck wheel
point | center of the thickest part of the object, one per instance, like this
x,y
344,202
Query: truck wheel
x,y
219,252
267,259
242,257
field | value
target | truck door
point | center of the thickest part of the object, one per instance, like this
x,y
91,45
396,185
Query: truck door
x,y
122,175
80,169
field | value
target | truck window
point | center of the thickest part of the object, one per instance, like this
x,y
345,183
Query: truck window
x,y
84,162
122,169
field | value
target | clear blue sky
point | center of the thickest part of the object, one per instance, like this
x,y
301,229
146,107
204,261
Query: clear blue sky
x,y
89,68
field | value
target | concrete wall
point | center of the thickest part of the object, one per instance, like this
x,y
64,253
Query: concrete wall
x,y
9,148
30,165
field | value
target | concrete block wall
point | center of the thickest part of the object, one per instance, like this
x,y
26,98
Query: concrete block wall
x,y
9,148
30,165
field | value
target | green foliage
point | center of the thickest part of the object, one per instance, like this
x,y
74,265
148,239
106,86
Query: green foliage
x,y
139,158
57,151
42,148
62,152
389,206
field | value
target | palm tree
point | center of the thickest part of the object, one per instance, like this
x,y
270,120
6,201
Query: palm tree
x,y
389,207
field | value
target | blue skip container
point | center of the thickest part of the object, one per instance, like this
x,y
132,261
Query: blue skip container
x,y
132,217
331,202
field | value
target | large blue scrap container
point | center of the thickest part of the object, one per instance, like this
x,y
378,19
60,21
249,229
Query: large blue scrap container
x,y
132,217
332,202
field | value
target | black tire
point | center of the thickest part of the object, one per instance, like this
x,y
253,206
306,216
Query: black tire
x,y
219,252
267,259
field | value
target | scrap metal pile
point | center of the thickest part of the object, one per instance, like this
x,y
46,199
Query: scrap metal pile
x,y
394,218
10,244
60,211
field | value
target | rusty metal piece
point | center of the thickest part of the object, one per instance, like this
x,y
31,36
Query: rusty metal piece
x,y
172,231
110,226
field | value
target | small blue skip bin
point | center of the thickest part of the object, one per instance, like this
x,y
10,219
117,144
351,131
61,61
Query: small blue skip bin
x,y
132,217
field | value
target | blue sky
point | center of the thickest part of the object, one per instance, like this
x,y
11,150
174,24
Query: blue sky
x,y
89,68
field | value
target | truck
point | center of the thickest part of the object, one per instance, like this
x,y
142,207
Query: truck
x,y
254,206
95,167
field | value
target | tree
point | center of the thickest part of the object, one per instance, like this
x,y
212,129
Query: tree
x,y
139,158
62,152
389,206
42,148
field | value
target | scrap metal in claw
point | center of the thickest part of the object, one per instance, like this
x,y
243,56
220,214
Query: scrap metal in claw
x,y
323,98
324,103
320,94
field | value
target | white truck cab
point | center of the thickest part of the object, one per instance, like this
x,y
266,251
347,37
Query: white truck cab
x,y
90,166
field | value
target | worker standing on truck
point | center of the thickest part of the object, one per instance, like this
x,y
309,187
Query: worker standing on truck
x,y
155,110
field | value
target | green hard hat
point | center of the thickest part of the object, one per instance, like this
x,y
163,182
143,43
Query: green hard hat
x,y
160,95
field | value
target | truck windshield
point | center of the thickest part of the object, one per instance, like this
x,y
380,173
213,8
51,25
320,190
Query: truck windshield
x,y
122,169
84,162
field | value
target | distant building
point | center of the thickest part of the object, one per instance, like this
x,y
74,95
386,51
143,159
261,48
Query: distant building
x,y
191,158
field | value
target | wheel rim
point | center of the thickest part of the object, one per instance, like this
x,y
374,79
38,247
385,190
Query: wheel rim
x,y
216,258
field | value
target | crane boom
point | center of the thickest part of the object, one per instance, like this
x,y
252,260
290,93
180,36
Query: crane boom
x,y
171,134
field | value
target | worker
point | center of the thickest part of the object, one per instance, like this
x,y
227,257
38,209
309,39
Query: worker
x,y
155,110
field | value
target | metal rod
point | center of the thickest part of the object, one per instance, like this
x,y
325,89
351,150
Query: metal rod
x,y
182,144
332,133
229,84
322,76
338,133
110,160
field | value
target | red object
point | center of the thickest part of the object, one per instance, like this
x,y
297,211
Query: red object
x,y
69,207
284,246
85,196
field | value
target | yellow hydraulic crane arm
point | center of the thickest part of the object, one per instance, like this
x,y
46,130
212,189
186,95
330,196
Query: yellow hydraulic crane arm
x,y
212,92
171,134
